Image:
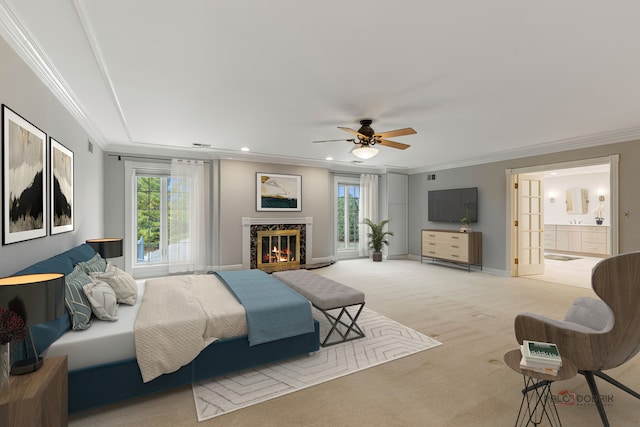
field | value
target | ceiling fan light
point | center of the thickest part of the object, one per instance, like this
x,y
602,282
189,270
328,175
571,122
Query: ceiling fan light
x,y
364,151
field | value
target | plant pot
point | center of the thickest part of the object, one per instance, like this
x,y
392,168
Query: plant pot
x,y
377,256
599,221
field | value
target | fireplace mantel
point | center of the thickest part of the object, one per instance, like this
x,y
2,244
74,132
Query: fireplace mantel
x,y
247,222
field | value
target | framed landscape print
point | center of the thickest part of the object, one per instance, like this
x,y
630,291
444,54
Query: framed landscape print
x,y
61,192
24,174
278,192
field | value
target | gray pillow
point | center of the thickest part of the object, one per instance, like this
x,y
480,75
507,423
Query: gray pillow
x,y
123,284
96,263
103,300
76,301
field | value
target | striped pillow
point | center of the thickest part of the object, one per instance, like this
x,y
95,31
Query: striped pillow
x,y
76,301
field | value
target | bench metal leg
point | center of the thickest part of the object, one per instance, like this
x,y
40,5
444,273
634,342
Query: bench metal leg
x,y
339,323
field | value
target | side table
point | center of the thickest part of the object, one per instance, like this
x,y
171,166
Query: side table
x,y
537,391
39,398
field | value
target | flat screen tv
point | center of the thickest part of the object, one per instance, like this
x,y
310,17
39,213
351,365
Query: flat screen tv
x,y
454,204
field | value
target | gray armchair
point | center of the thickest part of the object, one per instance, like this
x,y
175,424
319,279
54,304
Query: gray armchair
x,y
596,334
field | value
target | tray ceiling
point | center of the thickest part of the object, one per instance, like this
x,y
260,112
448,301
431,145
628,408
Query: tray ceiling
x,y
478,81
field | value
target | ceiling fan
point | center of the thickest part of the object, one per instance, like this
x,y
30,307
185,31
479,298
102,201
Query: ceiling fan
x,y
367,138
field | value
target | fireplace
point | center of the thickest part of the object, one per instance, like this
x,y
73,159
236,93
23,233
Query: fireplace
x,y
301,247
278,250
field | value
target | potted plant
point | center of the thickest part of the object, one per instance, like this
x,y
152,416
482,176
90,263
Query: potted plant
x,y
599,213
466,220
377,237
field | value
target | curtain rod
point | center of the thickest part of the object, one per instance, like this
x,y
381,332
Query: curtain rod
x,y
165,159
352,173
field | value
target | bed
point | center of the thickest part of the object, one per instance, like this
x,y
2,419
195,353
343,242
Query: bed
x,y
102,360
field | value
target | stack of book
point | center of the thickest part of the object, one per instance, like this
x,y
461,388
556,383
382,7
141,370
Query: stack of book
x,y
541,357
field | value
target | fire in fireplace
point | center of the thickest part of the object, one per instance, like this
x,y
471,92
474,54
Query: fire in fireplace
x,y
278,250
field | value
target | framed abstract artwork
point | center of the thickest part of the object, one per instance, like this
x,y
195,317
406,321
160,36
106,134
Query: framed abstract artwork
x,y
61,192
278,192
24,174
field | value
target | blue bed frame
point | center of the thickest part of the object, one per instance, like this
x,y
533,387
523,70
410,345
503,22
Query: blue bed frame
x,y
109,383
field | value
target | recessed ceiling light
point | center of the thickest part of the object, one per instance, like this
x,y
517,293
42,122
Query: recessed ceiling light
x,y
244,149
329,158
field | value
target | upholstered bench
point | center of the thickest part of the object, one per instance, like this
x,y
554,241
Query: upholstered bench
x,y
327,295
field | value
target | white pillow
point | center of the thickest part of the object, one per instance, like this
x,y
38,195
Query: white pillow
x,y
102,298
123,284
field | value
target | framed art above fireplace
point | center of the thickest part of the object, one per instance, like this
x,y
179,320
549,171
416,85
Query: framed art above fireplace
x,y
276,192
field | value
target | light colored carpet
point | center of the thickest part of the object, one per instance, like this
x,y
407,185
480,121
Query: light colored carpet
x,y
384,340
462,383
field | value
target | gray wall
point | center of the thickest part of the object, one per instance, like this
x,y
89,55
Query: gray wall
x,y
234,194
492,214
24,93
238,199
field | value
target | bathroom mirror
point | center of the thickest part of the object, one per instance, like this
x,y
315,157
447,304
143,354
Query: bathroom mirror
x,y
577,201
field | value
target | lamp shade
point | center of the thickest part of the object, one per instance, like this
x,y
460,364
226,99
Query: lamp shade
x,y
108,247
37,298
364,151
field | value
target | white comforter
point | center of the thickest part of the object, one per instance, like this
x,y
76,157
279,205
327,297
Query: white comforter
x,y
179,317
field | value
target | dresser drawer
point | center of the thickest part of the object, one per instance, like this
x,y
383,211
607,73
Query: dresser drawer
x,y
594,229
434,236
458,247
594,248
443,253
591,237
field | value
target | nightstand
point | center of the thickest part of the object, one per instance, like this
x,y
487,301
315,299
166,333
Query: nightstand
x,y
38,398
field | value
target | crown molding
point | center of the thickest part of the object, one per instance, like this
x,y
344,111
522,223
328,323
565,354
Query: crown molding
x,y
17,36
567,144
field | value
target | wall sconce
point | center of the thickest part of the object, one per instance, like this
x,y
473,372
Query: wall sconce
x,y
552,197
601,195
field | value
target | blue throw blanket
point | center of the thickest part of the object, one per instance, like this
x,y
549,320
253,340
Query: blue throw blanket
x,y
274,311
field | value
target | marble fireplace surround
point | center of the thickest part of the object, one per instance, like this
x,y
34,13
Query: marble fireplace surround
x,y
247,222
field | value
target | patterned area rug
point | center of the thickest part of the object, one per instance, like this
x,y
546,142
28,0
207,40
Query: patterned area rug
x,y
384,340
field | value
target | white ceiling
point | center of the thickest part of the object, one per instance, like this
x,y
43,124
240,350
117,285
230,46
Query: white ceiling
x,y
478,80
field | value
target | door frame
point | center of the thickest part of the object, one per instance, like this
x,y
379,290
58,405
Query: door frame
x,y
512,207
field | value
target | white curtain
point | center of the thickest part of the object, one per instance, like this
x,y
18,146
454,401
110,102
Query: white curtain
x,y
368,209
188,210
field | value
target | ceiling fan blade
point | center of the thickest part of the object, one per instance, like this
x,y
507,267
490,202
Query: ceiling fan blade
x,y
397,132
393,144
333,140
351,131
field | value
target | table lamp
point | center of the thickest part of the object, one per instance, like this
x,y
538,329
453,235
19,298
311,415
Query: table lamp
x,y
36,298
108,247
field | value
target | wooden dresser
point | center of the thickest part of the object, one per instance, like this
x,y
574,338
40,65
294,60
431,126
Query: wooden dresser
x,y
38,398
452,246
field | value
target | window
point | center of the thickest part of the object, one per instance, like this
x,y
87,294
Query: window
x,y
162,223
348,202
152,218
